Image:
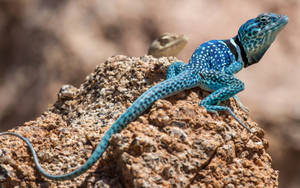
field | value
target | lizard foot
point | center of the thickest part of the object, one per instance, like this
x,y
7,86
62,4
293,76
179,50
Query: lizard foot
x,y
216,108
213,111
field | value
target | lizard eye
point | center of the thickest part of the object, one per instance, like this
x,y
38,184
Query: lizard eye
x,y
164,41
263,19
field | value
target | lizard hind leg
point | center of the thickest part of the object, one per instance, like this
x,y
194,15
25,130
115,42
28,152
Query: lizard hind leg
x,y
231,87
174,69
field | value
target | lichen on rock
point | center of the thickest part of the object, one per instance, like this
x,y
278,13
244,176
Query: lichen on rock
x,y
175,143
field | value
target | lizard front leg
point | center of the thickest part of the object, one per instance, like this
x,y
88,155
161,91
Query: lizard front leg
x,y
224,86
232,69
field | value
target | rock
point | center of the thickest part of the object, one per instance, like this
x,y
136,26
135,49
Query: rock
x,y
175,143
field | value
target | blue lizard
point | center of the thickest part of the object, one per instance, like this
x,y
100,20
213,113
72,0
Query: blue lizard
x,y
211,67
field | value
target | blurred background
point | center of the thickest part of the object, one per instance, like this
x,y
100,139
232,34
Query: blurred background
x,y
47,43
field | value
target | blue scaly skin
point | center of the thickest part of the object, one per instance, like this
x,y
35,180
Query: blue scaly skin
x,y
211,67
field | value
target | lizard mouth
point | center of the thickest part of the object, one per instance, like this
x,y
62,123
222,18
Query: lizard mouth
x,y
283,20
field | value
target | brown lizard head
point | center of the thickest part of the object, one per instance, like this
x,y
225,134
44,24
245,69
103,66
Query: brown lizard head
x,y
167,44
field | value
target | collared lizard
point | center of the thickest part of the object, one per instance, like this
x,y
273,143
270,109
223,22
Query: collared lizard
x,y
211,67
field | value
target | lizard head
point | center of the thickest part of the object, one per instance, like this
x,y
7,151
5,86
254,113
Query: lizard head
x,y
257,34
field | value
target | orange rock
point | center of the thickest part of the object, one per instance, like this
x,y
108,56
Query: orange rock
x,y
174,144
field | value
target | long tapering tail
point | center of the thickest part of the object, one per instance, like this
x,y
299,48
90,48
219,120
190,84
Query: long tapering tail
x,y
166,88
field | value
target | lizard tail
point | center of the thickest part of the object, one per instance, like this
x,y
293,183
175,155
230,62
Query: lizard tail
x,y
184,80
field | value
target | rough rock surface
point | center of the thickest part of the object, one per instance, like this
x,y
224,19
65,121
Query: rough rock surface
x,y
175,143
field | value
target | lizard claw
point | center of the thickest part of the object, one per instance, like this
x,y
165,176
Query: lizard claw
x,y
244,108
240,104
213,111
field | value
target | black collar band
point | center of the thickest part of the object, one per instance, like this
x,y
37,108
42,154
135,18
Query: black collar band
x,y
232,48
243,53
